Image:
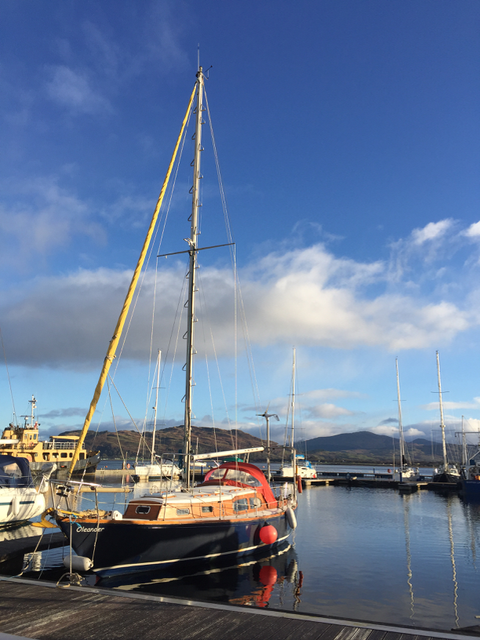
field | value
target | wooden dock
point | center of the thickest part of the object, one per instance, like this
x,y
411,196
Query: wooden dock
x,y
382,483
42,611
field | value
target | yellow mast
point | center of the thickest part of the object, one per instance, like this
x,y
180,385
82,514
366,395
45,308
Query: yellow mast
x,y
111,352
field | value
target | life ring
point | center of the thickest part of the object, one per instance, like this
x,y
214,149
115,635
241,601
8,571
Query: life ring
x,y
291,517
299,484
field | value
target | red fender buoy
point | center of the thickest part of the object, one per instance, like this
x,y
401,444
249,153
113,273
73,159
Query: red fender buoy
x,y
299,484
268,534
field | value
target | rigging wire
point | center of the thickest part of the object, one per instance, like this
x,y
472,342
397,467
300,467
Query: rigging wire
x,y
114,421
238,298
15,419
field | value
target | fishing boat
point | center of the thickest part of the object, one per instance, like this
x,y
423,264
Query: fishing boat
x,y
233,513
20,498
447,473
23,442
405,471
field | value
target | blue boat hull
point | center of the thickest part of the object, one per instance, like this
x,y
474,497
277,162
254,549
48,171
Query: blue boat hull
x,y
120,546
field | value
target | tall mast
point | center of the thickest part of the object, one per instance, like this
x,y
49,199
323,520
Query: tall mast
x,y
293,397
294,457
442,423
400,425
192,242
112,347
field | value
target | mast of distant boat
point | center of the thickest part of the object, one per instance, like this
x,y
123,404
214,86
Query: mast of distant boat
x,y
400,425
159,357
442,423
192,242
294,457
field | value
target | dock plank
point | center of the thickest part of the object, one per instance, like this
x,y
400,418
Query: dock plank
x,y
42,611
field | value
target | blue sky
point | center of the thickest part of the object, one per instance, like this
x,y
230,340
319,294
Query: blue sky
x,y
348,139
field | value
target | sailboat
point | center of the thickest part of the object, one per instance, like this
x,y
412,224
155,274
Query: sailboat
x,y
300,468
447,473
234,512
405,471
163,468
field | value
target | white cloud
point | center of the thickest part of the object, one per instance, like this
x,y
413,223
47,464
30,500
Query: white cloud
x,y
329,394
327,411
473,230
306,297
434,406
385,430
414,433
74,90
432,231
43,218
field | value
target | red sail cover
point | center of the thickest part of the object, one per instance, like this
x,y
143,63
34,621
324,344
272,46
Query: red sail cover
x,y
241,474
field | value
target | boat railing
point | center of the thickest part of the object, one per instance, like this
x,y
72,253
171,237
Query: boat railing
x,y
60,444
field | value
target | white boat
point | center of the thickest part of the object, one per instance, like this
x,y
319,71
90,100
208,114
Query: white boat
x,y
233,513
303,469
20,498
156,471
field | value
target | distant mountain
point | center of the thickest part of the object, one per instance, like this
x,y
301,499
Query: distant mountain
x,y
367,447
168,442
350,441
360,447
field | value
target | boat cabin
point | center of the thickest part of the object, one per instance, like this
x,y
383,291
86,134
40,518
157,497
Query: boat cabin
x,y
232,490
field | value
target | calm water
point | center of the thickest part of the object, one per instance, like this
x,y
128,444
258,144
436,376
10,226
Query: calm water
x,y
358,553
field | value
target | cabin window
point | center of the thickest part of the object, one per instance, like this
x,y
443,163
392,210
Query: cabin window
x,y
207,509
63,455
142,509
241,504
255,502
241,476
183,512
217,474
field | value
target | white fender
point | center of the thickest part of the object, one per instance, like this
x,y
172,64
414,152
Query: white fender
x,y
15,506
79,563
291,517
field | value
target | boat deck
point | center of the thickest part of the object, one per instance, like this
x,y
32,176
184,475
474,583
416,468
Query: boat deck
x,y
43,611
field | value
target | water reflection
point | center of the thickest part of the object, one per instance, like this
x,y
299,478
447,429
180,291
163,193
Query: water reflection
x,y
250,583
406,524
